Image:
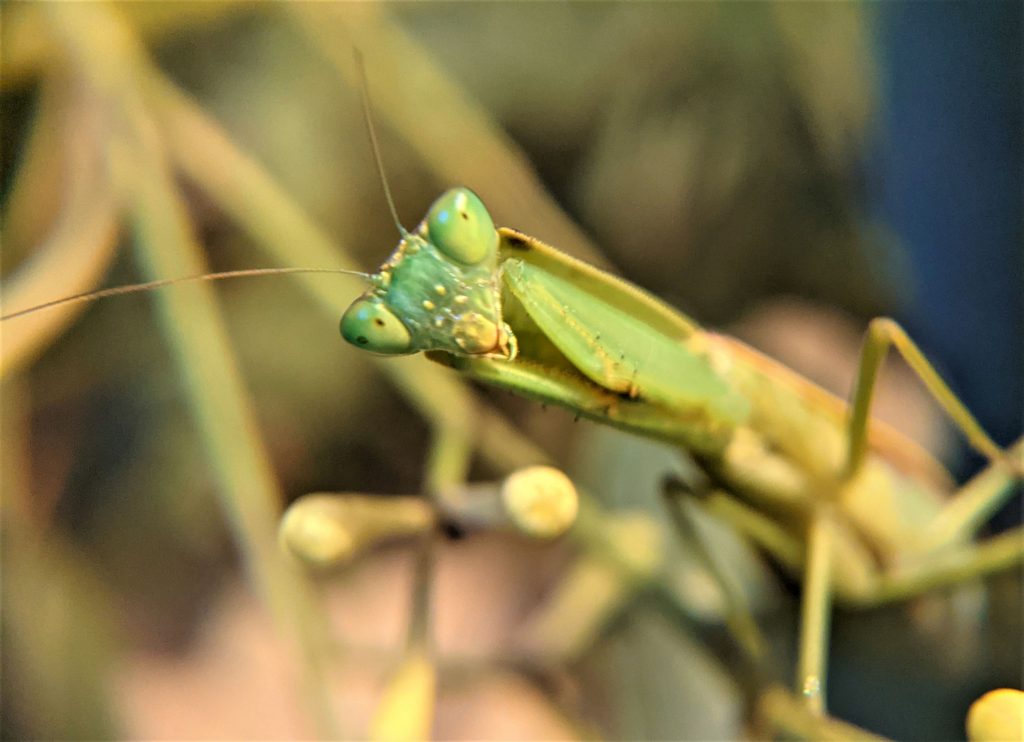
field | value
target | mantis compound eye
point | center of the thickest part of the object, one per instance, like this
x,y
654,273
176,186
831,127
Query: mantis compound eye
x,y
372,326
460,227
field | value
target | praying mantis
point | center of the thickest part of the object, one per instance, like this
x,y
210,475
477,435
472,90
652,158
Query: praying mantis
x,y
787,467
798,473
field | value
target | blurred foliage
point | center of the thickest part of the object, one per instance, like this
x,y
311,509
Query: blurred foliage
x,y
714,151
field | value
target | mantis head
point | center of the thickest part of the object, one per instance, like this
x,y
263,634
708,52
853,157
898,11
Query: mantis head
x,y
439,290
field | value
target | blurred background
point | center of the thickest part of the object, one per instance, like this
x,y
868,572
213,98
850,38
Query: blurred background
x,y
780,171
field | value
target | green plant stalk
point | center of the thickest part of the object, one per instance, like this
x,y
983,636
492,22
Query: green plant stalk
x,y
219,402
195,332
80,239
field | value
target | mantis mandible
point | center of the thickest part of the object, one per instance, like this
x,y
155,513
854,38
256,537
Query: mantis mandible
x,y
822,488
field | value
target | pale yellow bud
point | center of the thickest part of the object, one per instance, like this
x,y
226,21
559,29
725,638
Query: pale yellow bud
x,y
997,715
330,530
540,501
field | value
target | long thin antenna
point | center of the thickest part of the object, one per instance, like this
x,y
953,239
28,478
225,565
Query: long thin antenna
x,y
364,87
150,285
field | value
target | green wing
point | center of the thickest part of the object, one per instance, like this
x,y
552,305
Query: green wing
x,y
613,290
623,352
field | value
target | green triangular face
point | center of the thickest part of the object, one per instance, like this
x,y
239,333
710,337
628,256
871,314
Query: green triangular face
x,y
439,289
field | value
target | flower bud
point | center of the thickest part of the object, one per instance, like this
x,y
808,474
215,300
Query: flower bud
x,y
997,715
540,501
326,530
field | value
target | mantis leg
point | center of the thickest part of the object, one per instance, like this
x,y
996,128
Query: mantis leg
x,y
817,562
738,617
965,511
759,528
952,567
816,611
883,333
975,502
951,558
971,505
944,567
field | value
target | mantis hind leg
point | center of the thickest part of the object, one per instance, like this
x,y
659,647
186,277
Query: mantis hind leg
x,y
972,504
951,567
950,557
882,334
975,502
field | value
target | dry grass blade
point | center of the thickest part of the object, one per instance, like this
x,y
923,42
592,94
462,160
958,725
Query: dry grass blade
x,y
195,331
81,241
29,48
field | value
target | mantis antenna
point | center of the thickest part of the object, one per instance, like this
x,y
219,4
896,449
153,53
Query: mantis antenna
x,y
150,285
364,88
